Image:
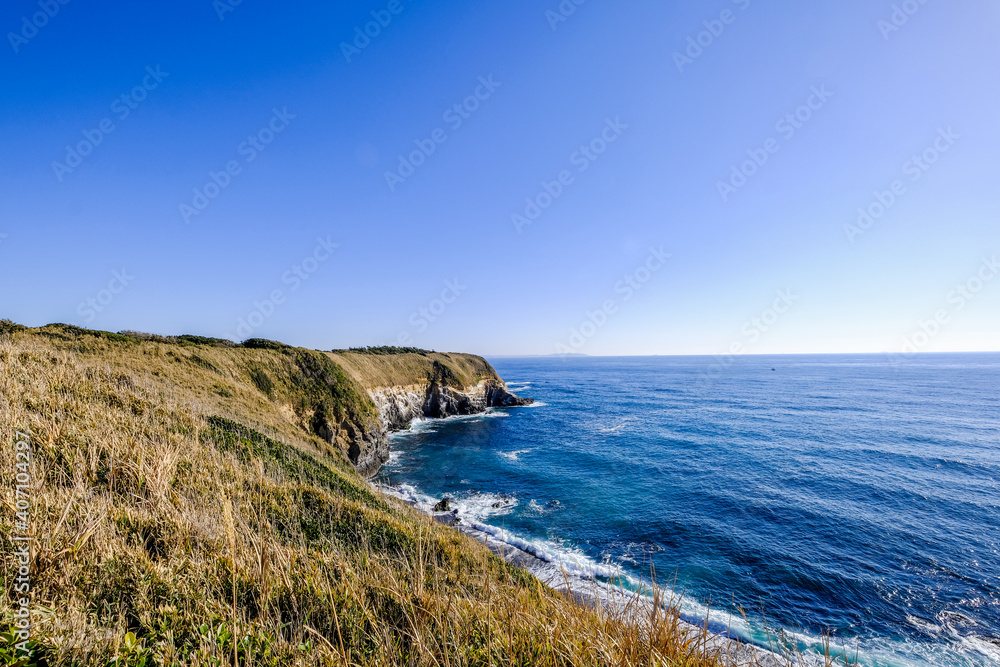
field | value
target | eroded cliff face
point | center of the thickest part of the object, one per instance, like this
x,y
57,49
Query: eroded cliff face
x,y
318,401
407,387
371,451
400,405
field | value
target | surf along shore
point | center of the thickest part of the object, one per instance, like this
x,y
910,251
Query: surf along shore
x,y
603,587
195,499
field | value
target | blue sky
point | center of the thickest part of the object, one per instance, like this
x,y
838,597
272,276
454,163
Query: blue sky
x,y
611,119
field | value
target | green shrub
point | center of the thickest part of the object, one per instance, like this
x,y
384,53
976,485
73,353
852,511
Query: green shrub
x,y
385,350
261,380
263,344
206,341
7,327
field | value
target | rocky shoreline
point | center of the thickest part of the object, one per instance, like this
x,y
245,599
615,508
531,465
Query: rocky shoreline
x,y
399,406
590,592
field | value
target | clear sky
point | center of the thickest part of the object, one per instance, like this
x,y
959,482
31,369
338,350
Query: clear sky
x,y
629,177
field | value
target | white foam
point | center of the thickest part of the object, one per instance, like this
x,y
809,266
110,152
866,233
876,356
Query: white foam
x,y
514,456
426,425
638,553
405,492
471,505
535,507
620,426
481,506
560,566
474,508
574,562
980,646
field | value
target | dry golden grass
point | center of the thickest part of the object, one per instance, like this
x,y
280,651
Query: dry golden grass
x,y
167,536
375,371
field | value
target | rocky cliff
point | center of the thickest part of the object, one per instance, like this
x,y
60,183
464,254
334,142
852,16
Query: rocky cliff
x,y
424,386
183,468
346,401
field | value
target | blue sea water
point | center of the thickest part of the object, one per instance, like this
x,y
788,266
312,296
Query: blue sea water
x,y
834,493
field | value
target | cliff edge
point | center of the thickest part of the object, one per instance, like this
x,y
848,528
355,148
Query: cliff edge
x,y
412,385
190,501
345,401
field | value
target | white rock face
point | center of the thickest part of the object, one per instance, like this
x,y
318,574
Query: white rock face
x,y
399,405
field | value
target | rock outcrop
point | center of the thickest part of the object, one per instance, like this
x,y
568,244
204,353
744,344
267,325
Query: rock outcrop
x,y
345,401
399,406
409,386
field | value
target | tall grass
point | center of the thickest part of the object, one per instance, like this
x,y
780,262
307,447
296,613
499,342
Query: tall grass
x,y
171,531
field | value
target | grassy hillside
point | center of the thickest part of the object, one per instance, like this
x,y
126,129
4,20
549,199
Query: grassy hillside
x,y
283,391
187,510
451,370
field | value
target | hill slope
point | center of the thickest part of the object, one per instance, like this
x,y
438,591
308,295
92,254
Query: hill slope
x,y
196,503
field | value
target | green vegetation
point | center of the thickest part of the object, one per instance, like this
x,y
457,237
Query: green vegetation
x,y
441,374
386,350
337,406
70,332
7,327
186,339
261,380
264,344
186,516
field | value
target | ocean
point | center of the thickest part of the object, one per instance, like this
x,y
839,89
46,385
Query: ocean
x,y
854,495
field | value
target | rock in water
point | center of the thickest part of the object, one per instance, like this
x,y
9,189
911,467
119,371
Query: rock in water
x,y
443,506
421,386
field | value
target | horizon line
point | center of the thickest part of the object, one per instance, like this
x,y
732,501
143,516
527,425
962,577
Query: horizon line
x,y
555,355
747,354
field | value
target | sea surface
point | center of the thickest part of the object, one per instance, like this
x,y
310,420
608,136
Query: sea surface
x,y
852,495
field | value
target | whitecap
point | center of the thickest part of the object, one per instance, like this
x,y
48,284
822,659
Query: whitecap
x,y
620,426
514,456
